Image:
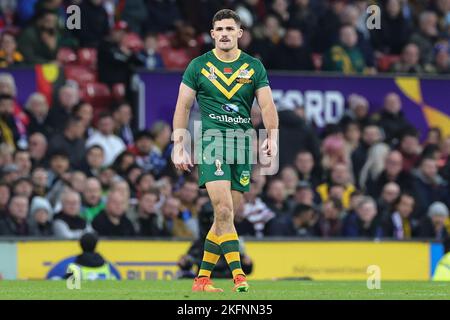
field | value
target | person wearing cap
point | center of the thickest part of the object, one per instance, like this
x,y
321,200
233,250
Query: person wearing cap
x,y
433,225
10,173
90,265
41,214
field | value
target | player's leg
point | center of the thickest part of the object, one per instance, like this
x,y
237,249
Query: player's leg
x,y
212,249
240,281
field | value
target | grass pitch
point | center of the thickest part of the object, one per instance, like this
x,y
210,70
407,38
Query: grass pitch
x,y
259,290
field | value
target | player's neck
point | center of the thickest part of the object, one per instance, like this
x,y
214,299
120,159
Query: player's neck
x,y
227,56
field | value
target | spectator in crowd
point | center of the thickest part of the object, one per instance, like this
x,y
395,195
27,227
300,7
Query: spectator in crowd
x,y
162,149
173,224
41,214
37,110
9,132
429,186
144,182
386,201
123,162
290,179
396,30
255,212
296,135
112,221
92,203
10,173
77,181
9,55
329,223
270,36
111,144
352,135
358,111
426,36
410,149
391,118
71,141
162,15
374,165
442,58
303,16
142,148
147,215
23,187
135,14
22,159
150,57
94,23
333,152
5,194
305,166
93,162
304,194
58,175
328,25
365,225
67,224
340,175
399,224
39,177
292,53
16,221
85,111
409,60
122,114
298,224
433,225
188,195
68,98
345,57
276,198
115,59
371,136
40,41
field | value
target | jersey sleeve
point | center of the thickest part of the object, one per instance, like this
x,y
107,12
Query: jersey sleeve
x,y
190,76
261,79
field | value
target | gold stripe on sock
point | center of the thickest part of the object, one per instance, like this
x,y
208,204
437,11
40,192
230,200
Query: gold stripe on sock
x,y
204,273
232,256
236,272
210,257
228,237
212,237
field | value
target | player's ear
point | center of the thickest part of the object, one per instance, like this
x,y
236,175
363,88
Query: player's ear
x,y
212,33
240,32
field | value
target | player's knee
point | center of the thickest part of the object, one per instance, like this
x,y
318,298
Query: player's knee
x,y
224,212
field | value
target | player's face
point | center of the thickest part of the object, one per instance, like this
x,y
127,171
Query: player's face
x,y
226,33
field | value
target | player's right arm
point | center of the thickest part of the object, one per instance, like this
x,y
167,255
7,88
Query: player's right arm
x,y
181,157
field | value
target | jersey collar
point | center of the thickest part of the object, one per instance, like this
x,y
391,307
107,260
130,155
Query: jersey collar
x,y
226,61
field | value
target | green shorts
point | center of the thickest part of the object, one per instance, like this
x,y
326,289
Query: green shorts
x,y
234,166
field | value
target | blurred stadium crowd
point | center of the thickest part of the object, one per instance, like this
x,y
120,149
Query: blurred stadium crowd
x,y
77,164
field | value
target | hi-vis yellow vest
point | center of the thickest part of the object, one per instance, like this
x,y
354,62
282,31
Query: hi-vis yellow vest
x,y
99,273
442,272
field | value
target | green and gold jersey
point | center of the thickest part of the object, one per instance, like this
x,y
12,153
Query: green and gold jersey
x,y
225,89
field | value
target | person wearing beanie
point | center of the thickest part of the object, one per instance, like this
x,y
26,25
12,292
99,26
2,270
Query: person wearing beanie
x,y
433,226
41,214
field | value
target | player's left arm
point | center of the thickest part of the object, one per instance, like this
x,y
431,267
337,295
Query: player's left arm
x,y
269,116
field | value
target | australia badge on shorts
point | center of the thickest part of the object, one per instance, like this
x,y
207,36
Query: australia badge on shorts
x,y
219,172
245,178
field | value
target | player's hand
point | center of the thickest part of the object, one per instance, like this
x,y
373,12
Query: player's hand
x,y
181,159
269,147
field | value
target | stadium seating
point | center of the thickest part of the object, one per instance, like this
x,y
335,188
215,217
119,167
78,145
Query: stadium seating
x,y
99,95
66,56
81,74
87,57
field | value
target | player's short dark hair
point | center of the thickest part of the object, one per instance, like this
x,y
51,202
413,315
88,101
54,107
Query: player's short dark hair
x,y
226,14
